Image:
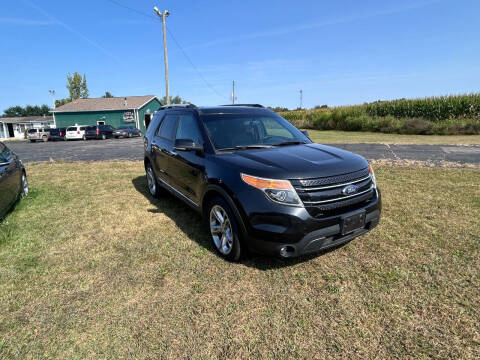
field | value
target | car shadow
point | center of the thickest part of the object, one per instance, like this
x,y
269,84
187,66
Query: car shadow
x,y
190,222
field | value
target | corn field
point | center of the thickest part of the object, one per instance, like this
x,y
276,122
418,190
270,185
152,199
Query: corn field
x,y
432,108
434,115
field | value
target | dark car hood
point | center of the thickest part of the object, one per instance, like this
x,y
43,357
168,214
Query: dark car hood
x,y
295,161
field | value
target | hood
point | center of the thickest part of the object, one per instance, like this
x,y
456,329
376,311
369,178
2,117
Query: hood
x,y
294,161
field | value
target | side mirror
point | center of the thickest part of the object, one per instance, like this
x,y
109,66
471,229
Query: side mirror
x,y
305,132
187,145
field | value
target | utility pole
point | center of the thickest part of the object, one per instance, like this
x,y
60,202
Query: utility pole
x,y
52,92
233,92
163,16
301,98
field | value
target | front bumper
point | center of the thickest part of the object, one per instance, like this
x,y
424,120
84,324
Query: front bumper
x,y
294,232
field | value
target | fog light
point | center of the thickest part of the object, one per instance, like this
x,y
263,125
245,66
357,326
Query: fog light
x,y
287,251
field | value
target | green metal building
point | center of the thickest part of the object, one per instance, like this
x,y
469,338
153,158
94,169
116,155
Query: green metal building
x,y
116,111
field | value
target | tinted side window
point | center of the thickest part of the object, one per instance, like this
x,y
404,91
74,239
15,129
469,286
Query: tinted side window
x,y
167,128
188,128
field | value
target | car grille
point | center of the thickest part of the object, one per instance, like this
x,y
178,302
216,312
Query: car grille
x,y
325,195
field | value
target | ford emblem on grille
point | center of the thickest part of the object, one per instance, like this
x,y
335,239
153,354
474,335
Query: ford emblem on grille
x,y
350,190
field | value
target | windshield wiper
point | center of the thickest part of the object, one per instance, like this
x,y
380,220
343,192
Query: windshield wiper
x,y
242,147
290,143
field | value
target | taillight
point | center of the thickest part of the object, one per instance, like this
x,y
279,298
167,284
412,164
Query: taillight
x,y
78,132
61,134
124,131
98,131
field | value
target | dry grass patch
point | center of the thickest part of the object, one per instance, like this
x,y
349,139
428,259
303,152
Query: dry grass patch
x,y
353,137
91,267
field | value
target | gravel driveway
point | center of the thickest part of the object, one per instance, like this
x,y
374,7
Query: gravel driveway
x,y
132,149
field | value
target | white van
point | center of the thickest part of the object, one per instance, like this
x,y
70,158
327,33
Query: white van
x,y
76,132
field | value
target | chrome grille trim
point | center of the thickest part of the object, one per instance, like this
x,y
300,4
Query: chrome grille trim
x,y
331,186
338,199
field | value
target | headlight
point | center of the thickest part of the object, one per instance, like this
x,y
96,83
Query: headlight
x,y
280,191
372,174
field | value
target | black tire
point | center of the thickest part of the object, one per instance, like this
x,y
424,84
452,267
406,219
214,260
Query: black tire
x,y
32,141
236,249
152,183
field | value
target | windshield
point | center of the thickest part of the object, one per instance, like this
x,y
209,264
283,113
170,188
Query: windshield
x,y
228,131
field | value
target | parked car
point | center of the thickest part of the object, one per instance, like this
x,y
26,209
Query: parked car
x,y
126,131
58,134
13,179
41,134
76,132
260,183
99,132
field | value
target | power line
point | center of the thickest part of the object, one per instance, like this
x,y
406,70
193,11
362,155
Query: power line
x,y
193,65
132,9
176,42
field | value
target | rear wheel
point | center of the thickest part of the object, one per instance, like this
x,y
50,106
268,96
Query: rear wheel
x,y
224,229
152,183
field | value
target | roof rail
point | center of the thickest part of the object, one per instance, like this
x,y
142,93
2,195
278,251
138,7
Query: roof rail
x,y
250,105
172,106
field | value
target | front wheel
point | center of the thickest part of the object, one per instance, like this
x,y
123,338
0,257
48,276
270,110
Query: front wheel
x,y
224,230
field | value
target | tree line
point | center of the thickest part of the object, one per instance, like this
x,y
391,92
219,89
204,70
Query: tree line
x,y
77,89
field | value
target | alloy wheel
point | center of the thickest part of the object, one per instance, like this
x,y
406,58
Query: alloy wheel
x,y
152,186
24,185
221,229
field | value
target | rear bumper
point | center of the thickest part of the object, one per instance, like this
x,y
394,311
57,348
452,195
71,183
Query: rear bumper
x,y
305,234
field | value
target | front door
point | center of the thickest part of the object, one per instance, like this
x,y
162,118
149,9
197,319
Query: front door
x,y
10,179
187,167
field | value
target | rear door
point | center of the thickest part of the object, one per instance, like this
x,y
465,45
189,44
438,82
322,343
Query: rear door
x,y
162,146
72,131
186,168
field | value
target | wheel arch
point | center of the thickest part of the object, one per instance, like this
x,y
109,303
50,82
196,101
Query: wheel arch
x,y
214,190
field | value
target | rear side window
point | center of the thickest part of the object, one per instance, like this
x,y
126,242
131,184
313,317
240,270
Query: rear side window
x,y
32,131
72,128
167,127
83,127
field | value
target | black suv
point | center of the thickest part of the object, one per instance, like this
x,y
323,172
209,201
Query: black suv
x,y
260,183
99,132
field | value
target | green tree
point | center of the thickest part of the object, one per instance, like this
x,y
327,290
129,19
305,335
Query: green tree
x,y
61,102
77,86
175,100
29,110
107,95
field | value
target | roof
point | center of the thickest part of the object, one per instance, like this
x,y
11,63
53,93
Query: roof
x,y
105,104
241,109
26,119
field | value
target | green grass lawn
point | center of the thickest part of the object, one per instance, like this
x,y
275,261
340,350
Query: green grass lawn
x,y
345,137
91,267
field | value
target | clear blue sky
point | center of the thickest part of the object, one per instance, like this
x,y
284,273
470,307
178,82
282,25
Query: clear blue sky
x,y
338,52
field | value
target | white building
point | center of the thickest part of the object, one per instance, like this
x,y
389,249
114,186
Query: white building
x,y
14,127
